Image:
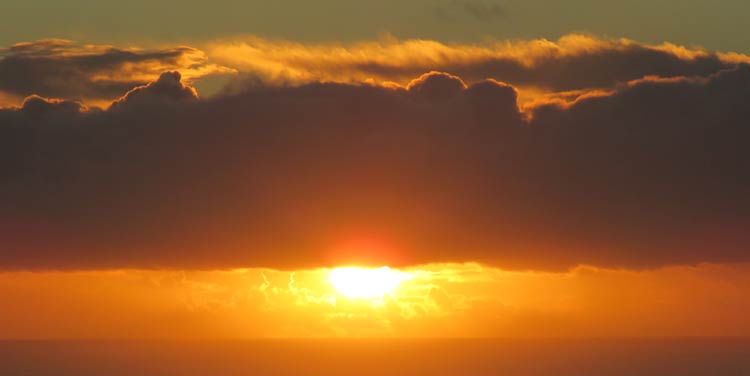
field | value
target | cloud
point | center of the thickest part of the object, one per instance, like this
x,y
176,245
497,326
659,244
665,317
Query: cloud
x,y
96,73
651,172
167,89
571,63
436,86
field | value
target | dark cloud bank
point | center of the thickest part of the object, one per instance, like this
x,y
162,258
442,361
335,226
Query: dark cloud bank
x,y
655,173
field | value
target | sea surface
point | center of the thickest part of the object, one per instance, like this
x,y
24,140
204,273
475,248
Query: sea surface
x,y
601,357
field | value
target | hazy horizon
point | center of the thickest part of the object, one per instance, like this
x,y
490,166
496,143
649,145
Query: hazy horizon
x,y
372,357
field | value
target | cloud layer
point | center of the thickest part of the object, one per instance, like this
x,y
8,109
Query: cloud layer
x,y
573,62
61,68
649,173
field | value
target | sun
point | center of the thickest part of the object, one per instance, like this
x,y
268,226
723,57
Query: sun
x,y
366,283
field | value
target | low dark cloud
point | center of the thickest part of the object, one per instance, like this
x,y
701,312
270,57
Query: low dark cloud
x,y
62,69
654,173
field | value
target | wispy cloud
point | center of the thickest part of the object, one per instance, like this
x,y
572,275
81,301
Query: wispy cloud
x,y
573,62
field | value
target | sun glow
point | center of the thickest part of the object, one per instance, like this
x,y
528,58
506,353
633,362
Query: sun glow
x,y
354,282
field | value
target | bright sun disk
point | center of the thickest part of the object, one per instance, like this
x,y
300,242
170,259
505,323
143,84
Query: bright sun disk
x,y
354,282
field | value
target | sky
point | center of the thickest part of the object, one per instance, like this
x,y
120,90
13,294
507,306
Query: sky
x,y
523,169
714,25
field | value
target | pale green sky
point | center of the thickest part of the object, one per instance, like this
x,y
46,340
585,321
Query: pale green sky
x,y
717,24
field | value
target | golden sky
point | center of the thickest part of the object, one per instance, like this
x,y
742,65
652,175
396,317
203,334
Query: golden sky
x,y
429,301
